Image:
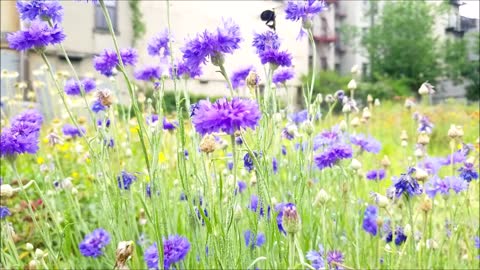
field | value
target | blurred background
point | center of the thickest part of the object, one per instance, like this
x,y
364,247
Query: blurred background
x,y
392,46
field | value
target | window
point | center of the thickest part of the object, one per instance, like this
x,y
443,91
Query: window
x,y
323,63
364,70
100,21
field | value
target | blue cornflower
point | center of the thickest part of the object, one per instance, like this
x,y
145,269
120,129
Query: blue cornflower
x,y
175,249
72,131
72,88
100,123
333,155
97,106
280,76
443,186
4,212
266,41
225,115
298,117
276,58
158,45
424,124
239,140
274,165
339,95
468,172
369,144
370,220
252,240
40,9
431,165
125,180
213,45
107,61
148,73
327,137
304,10
406,184
316,258
186,71
376,175
93,244
23,134
169,125
241,186
257,206
334,258
238,77
400,236
37,36
459,156
248,161
284,150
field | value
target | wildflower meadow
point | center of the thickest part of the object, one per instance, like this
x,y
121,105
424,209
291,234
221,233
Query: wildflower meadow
x,y
232,182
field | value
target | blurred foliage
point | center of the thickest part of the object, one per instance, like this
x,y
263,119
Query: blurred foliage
x,y
459,65
138,26
401,44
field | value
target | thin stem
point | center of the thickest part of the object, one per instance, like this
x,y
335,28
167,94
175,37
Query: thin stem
x,y
225,75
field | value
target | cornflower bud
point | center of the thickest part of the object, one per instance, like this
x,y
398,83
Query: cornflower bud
x,y
321,198
423,138
355,165
426,89
366,113
352,85
355,122
208,144
385,162
290,220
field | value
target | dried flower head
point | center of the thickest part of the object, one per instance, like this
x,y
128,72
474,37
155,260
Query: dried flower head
x,y
208,144
123,252
105,96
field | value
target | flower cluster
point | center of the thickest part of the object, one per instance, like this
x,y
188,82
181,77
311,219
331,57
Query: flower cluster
x,y
40,9
93,244
23,134
225,115
267,46
443,185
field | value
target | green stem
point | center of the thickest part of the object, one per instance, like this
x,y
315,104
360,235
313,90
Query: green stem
x,y
227,78
291,250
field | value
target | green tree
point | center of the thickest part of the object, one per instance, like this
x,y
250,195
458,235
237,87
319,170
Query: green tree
x,y
400,43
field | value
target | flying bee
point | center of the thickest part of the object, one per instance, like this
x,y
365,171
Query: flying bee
x,y
268,16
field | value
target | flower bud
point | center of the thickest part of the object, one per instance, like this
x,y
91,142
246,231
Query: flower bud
x,y
409,103
386,162
404,135
322,197
352,85
6,191
123,252
290,220
319,99
355,165
238,212
347,108
253,180
432,244
407,230
420,174
381,201
366,113
307,126
277,117
404,143
455,132
329,98
39,254
426,205
423,138
354,69
252,79
355,122
32,265
74,191
418,153
376,103
208,144
426,89
342,125
369,98
29,247
218,59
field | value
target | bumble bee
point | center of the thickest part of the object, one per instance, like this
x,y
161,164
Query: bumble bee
x,y
268,16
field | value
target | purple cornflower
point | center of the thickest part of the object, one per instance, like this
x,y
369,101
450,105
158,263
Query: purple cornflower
x,y
93,244
37,36
400,237
284,150
72,88
333,155
23,134
369,144
125,180
424,124
238,77
97,106
241,186
169,125
431,165
276,58
457,157
4,212
100,123
303,10
339,94
248,161
266,41
376,175
225,115
406,184
280,76
280,209
175,249
252,240
148,73
107,61
40,9
299,117
274,165
187,71
370,220
158,45
327,137
72,131
468,172
316,258
443,186
212,44
257,206
334,258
